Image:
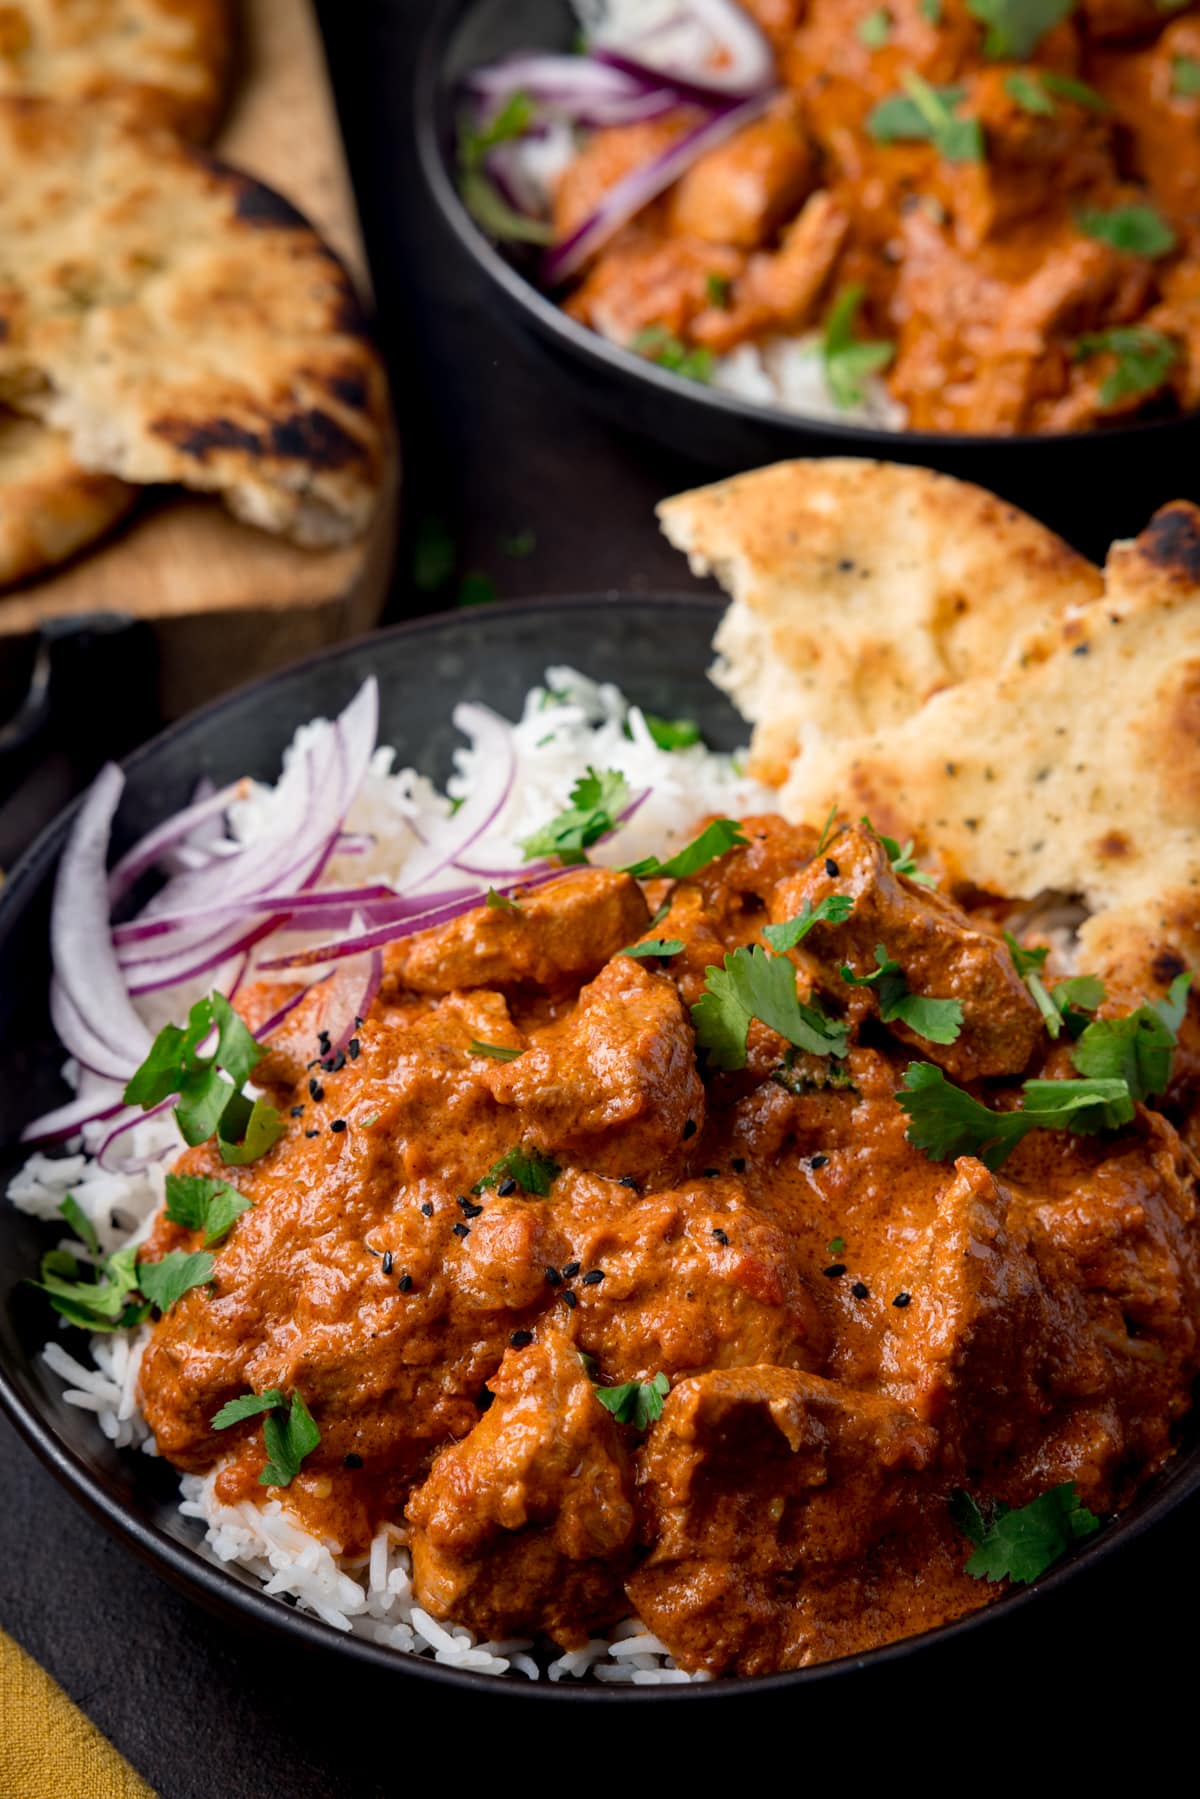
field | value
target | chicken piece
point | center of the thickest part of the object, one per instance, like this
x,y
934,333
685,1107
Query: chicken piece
x,y
647,281
841,75
527,1525
606,158
689,922
744,190
613,1085
754,1483
781,289
737,887
985,1348
559,935
1177,316
940,953
692,1278
1158,113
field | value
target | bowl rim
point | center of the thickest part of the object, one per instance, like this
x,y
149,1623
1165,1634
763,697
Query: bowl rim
x,y
609,358
220,1589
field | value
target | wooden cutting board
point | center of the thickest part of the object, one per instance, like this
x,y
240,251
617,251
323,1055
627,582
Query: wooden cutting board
x,y
228,602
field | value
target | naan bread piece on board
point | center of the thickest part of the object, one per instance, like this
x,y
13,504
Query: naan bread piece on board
x,y
181,323
1076,771
49,506
859,589
157,63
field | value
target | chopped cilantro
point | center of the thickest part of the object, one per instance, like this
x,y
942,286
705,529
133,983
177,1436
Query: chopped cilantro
x,y
434,555
931,11
901,858
938,1020
717,289
835,908
925,114
80,1223
875,30
1020,1545
945,1121
596,800
1136,1049
1069,87
848,360
102,1304
1139,230
1016,27
1028,964
659,345
209,1103
532,1171
636,1402
501,902
476,589
520,544
480,195
201,1204
826,830
654,946
499,1052
722,835
1075,998
1028,91
753,984
1064,1004
248,1129
165,1281
672,733
835,1246
248,1406
799,1081
1185,76
1144,359
288,1441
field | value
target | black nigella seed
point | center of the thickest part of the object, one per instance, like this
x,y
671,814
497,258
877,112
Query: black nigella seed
x,y
570,1270
631,1181
506,1187
405,1283
738,1164
833,1270
387,1261
323,1042
719,1234
468,1207
486,1399
520,1338
861,1290
553,1277
352,1460
462,1230
818,1161
831,868
297,1111
337,1124
689,1129
335,1064
570,1301
315,1089
427,1208
354,1046
593,1277
901,1300
312,1133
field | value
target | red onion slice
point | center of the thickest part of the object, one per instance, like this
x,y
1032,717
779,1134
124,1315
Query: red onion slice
x,y
626,198
123,1125
735,59
207,808
495,772
69,1120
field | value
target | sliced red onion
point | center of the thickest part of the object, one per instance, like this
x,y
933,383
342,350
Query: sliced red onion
x,y
89,1048
82,954
139,930
69,1120
495,772
272,1024
736,59
175,831
123,1125
350,994
626,198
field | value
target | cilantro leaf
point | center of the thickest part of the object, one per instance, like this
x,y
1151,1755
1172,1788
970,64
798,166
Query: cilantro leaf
x,y
596,800
501,902
248,1406
1016,27
165,1281
672,733
532,1171
938,1020
714,840
849,360
1144,359
1020,1545
480,195
925,114
753,984
1137,1049
288,1441
1185,76
931,11
201,1204
1069,87
659,345
1075,998
1063,1004
717,289
1028,91
636,1402
946,1122
835,908
654,946
875,30
499,1052
901,858
247,1131
80,1223
1028,964
209,1100
1139,230
103,1304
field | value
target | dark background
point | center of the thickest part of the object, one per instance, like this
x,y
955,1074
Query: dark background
x,y
495,449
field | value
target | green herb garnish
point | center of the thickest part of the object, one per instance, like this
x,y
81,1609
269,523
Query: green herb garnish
x,y
1020,1545
1139,230
1137,1049
1069,87
200,1204
753,984
875,30
1185,76
657,344
165,1281
520,544
480,195
835,908
533,1172
672,733
1029,92
288,1440
1016,27
597,798
717,289
900,855
848,360
248,1406
931,11
654,946
1144,359
636,1402
722,835
499,1052
434,555
925,114
102,1303
210,1101
80,1223
835,1246
500,902
476,589
946,1122
938,1020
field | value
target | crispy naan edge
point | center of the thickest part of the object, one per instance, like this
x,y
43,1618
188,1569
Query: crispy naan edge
x,y
861,588
1076,770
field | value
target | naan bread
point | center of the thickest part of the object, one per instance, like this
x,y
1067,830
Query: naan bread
x,y
158,63
181,323
860,589
1076,770
49,506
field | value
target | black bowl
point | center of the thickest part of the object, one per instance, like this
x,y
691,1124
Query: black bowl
x,y
658,649
1092,486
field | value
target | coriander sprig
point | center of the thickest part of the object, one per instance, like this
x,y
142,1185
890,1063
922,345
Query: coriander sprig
x,y
208,1088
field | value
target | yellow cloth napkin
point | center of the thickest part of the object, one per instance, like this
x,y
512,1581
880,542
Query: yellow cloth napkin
x,y
48,1749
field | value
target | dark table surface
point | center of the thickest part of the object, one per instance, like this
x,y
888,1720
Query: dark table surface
x,y
494,449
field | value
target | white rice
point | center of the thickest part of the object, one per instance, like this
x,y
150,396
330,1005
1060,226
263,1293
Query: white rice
x,y
788,372
567,725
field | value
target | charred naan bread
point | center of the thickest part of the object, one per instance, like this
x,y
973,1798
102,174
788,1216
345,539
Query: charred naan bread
x,y
158,63
49,506
181,323
861,588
